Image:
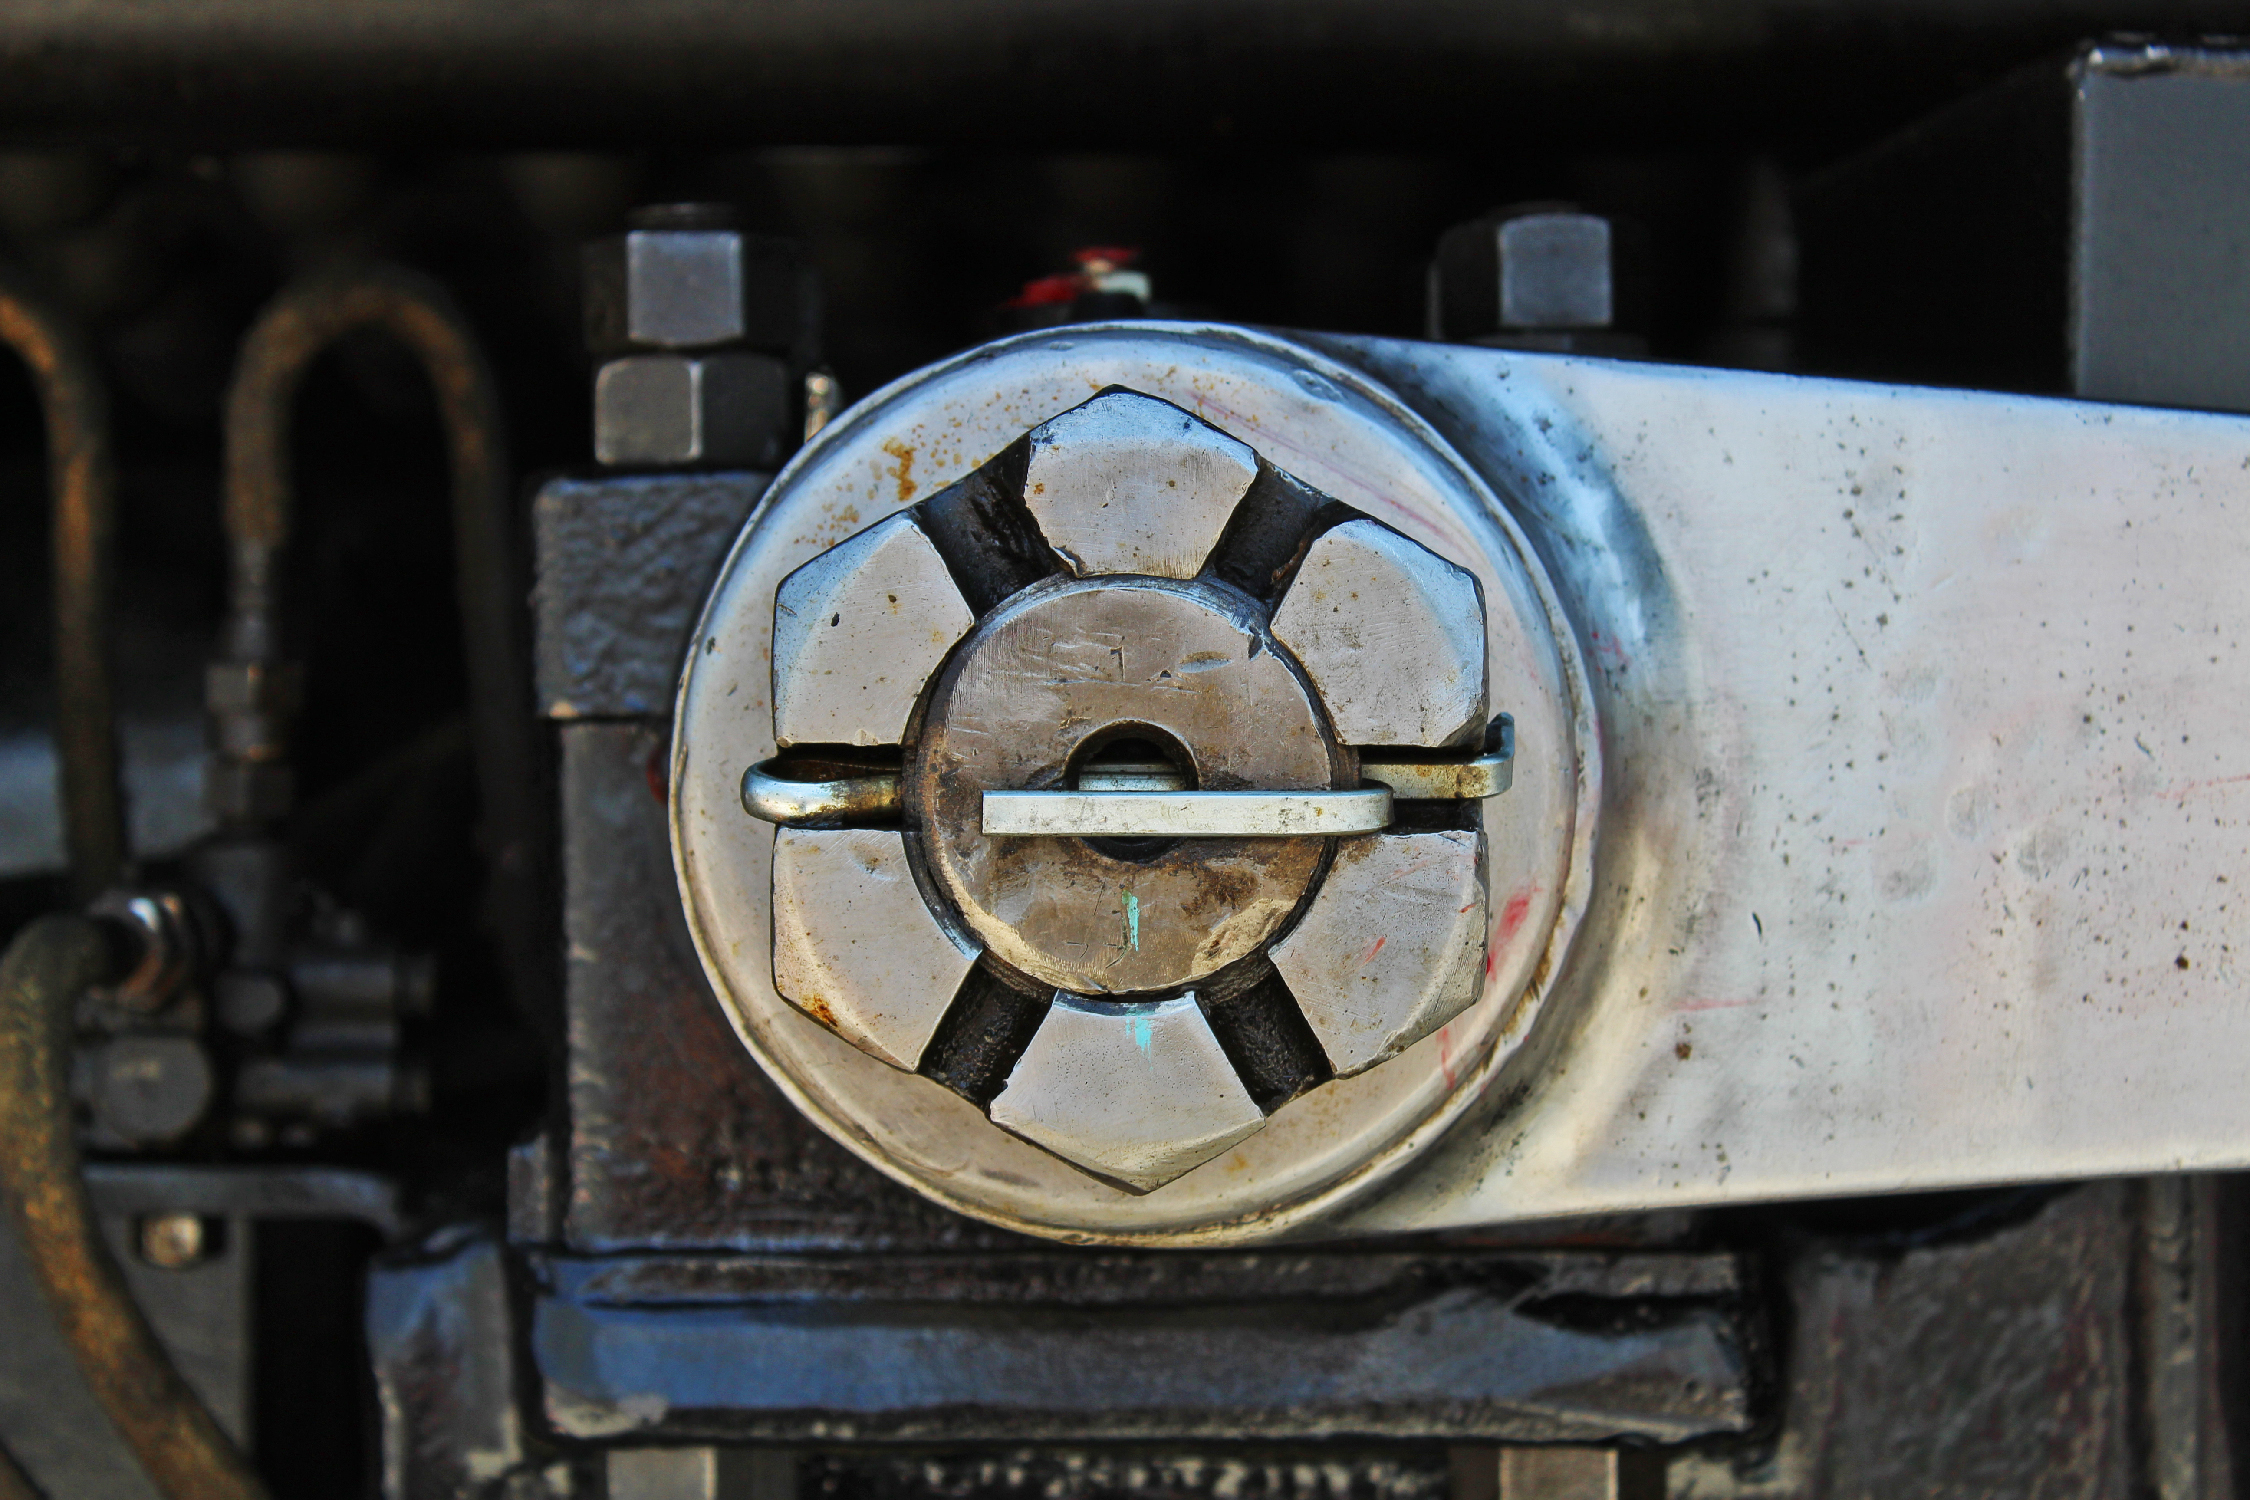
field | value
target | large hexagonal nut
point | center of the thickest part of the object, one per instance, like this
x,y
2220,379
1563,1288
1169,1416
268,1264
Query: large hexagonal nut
x,y
685,279
692,410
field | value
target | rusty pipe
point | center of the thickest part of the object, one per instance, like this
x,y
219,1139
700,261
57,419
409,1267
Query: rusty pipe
x,y
82,482
295,327
49,965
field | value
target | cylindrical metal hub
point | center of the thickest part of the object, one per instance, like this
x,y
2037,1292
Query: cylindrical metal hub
x,y
1087,787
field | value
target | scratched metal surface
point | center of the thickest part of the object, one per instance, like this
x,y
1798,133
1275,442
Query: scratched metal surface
x,y
1927,726
1331,430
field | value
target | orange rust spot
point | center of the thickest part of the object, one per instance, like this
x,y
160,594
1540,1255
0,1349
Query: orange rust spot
x,y
818,1009
905,472
1684,1051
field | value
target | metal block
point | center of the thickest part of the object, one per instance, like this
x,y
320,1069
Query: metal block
x,y
2111,267
441,1345
623,565
1081,1347
1997,1354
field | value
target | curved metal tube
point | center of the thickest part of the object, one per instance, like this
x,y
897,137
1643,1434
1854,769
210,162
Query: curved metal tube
x,y
83,483
46,968
302,321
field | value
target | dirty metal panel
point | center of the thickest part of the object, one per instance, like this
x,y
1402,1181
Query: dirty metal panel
x,y
1999,1360
1533,1346
1924,848
624,563
675,1137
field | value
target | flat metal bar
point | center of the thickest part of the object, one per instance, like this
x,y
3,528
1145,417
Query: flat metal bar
x,y
1926,793
1085,814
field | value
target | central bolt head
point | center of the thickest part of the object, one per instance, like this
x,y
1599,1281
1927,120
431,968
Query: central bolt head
x,y
1067,661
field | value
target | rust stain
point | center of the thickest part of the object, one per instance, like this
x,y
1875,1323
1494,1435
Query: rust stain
x,y
905,472
817,1008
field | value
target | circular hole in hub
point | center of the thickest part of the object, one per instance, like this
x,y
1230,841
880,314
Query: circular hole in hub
x,y
1131,758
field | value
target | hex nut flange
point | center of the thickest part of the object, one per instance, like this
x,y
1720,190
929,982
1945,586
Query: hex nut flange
x,y
854,947
1130,484
856,634
670,410
1136,1093
1392,946
1368,601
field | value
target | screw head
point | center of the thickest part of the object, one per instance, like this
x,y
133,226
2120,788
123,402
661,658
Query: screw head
x,y
174,1241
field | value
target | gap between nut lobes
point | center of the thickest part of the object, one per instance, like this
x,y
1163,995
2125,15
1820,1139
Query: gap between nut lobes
x,y
821,792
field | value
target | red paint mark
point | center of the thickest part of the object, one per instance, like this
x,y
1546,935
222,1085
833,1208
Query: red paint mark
x,y
659,775
1607,649
1712,1004
1445,1053
1373,949
2178,792
1491,962
1512,915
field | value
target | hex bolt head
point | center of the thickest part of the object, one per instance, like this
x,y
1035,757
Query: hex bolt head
x,y
684,278
692,410
1543,276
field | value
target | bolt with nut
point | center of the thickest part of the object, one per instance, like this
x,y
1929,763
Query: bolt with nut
x,y
698,326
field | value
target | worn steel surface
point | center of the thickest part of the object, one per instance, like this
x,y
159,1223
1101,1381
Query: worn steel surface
x,y
1926,713
857,634
673,1136
1137,1093
623,565
1340,439
1542,1347
1051,668
1423,896
1392,636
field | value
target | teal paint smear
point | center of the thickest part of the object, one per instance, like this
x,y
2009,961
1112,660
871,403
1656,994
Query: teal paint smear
x,y
1133,923
1140,1032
